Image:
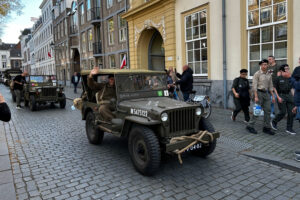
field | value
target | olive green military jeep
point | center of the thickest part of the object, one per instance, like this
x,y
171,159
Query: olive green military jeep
x,y
152,122
42,89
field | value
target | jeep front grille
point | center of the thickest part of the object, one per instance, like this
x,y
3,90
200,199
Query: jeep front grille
x,y
49,91
182,120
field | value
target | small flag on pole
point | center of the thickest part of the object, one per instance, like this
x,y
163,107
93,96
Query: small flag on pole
x,y
49,55
123,63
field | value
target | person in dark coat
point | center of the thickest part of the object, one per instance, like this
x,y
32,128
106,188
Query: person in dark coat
x,y
75,80
186,81
5,114
241,92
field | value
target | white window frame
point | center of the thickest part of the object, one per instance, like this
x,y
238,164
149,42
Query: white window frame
x,y
83,42
109,4
122,30
82,13
111,39
110,59
198,39
260,26
90,31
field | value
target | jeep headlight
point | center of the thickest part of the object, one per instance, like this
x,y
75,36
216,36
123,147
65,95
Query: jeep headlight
x,y
164,117
39,90
57,89
198,111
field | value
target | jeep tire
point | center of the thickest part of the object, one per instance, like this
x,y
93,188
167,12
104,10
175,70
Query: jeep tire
x,y
32,103
94,134
144,150
205,150
62,103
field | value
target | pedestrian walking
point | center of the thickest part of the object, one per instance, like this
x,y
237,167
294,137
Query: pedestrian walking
x,y
273,69
5,114
75,80
171,86
262,84
241,92
285,100
186,81
19,82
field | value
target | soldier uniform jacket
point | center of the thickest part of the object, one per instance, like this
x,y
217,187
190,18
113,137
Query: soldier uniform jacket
x,y
273,70
262,81
105,91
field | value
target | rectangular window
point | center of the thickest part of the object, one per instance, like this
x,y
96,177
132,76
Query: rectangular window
x,y
81,14
112,61
3,64
90,39
196,42
123,56
267,32
122,29
3,57
83,43
88,10
109,3
110,25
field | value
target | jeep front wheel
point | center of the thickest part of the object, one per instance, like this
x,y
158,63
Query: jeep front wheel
x,y
94,134
144,150
32,103
206,149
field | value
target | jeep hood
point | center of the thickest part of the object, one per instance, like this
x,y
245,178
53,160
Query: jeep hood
x,y
159,104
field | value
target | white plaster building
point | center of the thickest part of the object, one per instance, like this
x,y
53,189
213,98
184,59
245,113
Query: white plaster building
x,y
42,40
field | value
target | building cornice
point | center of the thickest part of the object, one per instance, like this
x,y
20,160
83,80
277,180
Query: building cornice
x,y
43,3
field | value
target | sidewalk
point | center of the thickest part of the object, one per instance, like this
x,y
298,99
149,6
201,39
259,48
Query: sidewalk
x,y
277,149
7,188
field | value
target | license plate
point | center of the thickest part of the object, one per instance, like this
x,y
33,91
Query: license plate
x,y
194,147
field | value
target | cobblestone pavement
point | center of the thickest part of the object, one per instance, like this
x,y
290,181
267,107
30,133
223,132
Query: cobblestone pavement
x,y
52,159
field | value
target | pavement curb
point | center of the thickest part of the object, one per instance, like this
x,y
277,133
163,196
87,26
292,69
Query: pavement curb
x,y
284,163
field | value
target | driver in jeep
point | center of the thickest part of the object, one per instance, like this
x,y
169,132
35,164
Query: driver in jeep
x,y
105,93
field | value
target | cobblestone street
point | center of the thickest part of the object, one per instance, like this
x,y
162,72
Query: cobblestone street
x,y
51,159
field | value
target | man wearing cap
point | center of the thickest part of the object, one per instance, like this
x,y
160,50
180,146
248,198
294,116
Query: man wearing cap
x,y
262,86
282,89
106,92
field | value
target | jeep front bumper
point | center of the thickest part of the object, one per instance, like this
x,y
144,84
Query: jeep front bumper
x,y
171,147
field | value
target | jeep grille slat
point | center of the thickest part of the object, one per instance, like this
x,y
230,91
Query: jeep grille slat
x,y
49,91
182,120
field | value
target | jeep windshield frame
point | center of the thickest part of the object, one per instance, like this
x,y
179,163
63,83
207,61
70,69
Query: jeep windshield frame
x,y
141,85
42,80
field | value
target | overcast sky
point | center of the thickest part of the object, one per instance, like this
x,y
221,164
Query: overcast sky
x,y
17,23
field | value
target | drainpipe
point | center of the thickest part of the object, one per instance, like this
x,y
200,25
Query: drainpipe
x,y
127,42
224,53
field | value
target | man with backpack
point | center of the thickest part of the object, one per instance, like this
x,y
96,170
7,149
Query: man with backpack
x,y
241,92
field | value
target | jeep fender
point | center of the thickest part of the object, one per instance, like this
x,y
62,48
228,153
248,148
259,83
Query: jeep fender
x,y
130,120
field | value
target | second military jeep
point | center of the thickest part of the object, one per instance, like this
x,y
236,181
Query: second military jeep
x,y
146,115
42,89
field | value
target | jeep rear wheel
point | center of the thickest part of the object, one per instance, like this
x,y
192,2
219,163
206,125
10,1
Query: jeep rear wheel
x,y
32,103
94,134
205,150
144,150
62,103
